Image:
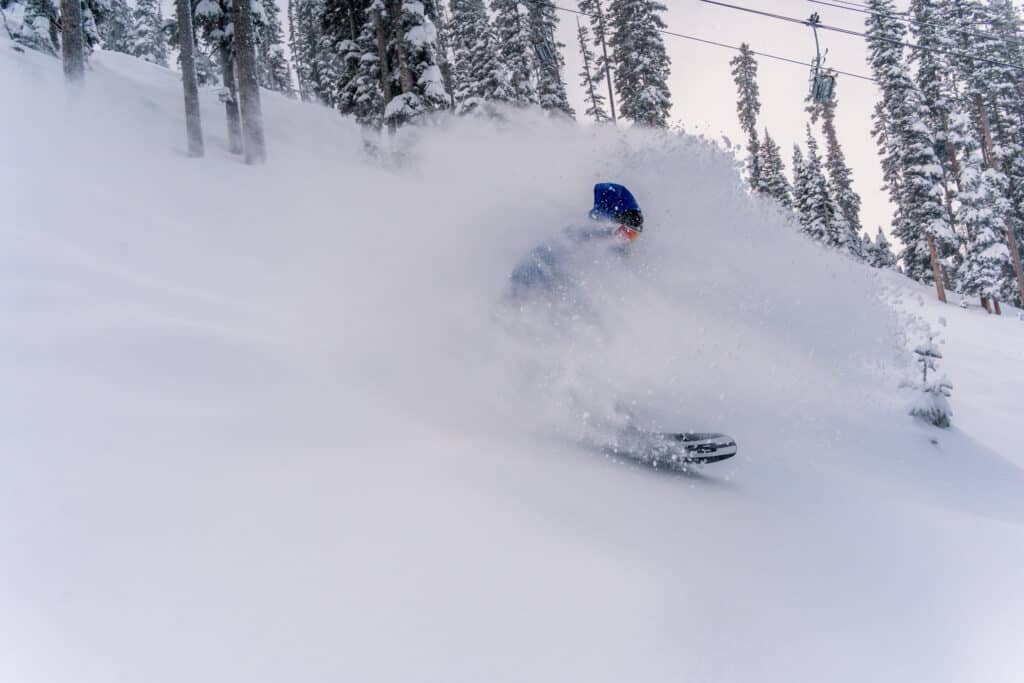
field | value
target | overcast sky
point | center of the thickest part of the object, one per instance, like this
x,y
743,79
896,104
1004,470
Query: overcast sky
x,y
704,96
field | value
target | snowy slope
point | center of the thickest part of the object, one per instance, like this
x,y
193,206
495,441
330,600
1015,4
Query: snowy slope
x,y
284,431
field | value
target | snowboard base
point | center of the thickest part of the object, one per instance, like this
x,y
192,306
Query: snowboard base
x,y
673,450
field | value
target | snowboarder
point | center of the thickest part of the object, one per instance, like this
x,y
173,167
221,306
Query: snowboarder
x,y
615,220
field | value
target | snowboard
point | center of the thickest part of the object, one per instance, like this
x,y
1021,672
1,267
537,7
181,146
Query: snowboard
x,y
673,450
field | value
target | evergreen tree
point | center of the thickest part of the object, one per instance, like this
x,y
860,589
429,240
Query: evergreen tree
x,y
907,143
817,211
318,58
591,77
479,74
799,185
273,71
748,106
983,206
214,29
116,31
513,34
548,60
602,68
641,62
773,182
364,95
147,38
931,400
421,87
883,253
840,177
39,28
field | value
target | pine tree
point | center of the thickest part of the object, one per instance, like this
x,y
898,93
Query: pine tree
x,y
773,182
516,51
115,33
602,67
591,78
931,400
907,143
364,95
883,253
316,70
641,63
817,211
983,206
39,28
840,176
548,60
479,74
748,106
331,50
274,73
799,185
421,87
990,89
147,38
214,28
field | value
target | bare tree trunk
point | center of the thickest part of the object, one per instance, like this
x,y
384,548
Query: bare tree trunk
x,y
936,270
382,57
985,305
405,78
248,83
231,102
193,123
995,302
72,40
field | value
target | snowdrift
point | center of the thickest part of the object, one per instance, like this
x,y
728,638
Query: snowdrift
x,y
273,423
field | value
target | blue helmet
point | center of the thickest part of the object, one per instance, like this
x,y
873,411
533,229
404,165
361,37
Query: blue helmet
x,y
614,202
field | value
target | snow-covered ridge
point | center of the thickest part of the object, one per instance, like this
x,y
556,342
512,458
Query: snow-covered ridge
x,y
269,424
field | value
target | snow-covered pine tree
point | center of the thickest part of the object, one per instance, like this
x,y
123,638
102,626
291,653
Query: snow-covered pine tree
x,y
316,71
331,60
748,106
817,210
773,182
421,87
602,69
840,176
799,184
39,25
479,74
214,30
549,64
983,206
147,39
883,253
274,72
591,78
364,93
116,30
641,63
511,27
907,144
992,85
931,400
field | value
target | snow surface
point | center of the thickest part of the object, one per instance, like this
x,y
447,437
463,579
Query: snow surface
x,y
286,430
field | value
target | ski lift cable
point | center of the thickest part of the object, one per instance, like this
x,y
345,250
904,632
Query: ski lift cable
x,y
736,48
861,34
904,19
